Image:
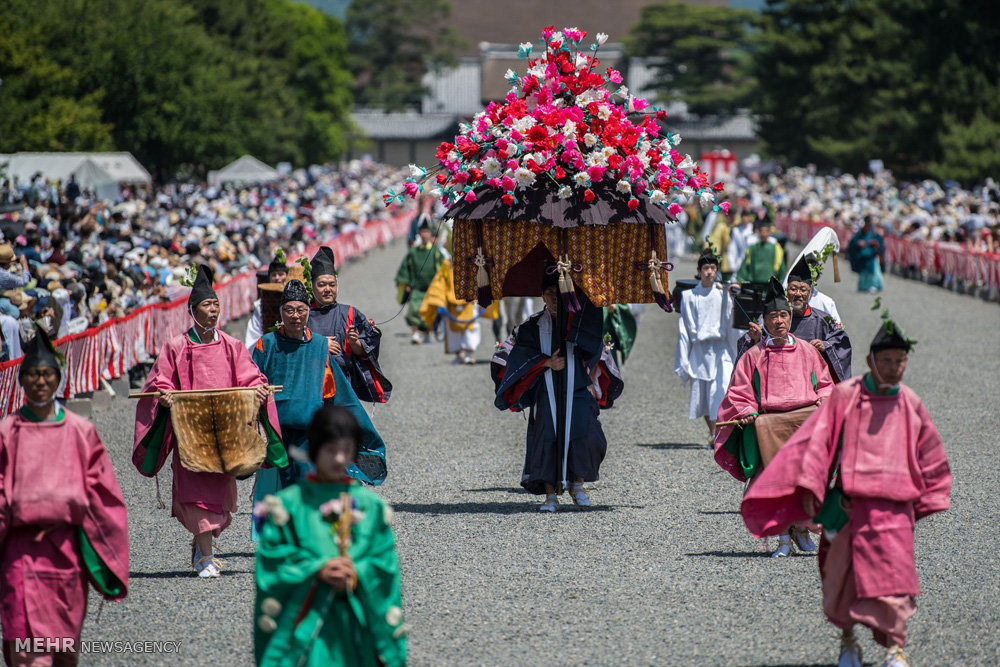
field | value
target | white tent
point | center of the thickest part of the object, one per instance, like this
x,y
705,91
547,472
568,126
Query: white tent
x,y
246,169
117,167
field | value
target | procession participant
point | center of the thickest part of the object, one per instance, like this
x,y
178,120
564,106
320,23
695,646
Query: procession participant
x,y
327,573
821,245
621,326
865,252
809,324
303,366
353,339
764,258
63,524
523,373
705,342
739,240
873,450
775,386
719,239
414,276
460,319
203,357
277,272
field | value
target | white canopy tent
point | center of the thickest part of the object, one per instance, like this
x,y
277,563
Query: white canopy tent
x,y
113,167
246,169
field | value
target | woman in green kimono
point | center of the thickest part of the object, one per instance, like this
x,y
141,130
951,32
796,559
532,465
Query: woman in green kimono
x,y
328,583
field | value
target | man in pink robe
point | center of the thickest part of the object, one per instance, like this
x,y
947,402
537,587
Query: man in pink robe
x,y
774,387
63,525
872,450
201,358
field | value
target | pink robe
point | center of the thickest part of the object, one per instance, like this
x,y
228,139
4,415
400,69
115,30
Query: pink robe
x,y
894,470
202,501
786,375
55,479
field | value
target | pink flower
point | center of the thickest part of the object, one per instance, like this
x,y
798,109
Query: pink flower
x,y
508,183
411,188
462,177
470,196
614,75
596,173
675,209
725,207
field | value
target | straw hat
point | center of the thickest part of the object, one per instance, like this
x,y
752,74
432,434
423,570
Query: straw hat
x,y
7,253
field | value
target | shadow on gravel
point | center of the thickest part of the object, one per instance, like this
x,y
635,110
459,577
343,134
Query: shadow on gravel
x,y
719,512
487,508
180,574
489,489
733,554
239,554
672,445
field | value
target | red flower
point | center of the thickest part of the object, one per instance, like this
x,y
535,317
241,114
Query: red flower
x,y
588,195
443,149
475,175
560,173
633,203
441,179
718,187
508,199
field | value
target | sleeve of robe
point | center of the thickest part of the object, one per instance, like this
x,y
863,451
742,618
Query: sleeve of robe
x,y
435,297
518,385
370,459
838,348
934,469
682,361
254,327
105,527
4,500
379,583
154,436
367,378
739,401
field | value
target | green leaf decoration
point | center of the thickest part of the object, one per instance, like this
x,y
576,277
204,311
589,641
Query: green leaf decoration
x,y
190,273
279,255
306,274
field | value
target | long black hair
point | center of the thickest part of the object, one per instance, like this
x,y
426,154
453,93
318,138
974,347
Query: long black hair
x,y
329,424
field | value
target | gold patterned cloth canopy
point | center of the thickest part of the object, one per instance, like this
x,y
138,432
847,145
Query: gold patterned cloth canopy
x,y
614,253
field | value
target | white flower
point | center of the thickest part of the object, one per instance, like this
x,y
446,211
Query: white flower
x,y
564,192
677,138
657,197
510,76
524,177
492,167
526,46
688,192
417,172
601,38
622,92
569,129
394,616
581,60
276,510
624,187
524,124
454,156
686,165
608,151
707,198
582,179
590,140
538,71
557,36
604,112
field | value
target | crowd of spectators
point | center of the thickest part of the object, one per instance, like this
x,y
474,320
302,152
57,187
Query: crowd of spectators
x,y
69,261
925,211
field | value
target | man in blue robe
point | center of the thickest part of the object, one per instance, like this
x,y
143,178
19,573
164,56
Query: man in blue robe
x,y
524,370
353,339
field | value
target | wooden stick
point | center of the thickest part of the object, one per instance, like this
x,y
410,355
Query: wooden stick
x,y
836,269
275,389
732,422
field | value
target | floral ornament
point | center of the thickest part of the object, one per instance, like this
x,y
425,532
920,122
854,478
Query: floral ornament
x,y
334,514
559,125
190,273
609,343
271,507
890,324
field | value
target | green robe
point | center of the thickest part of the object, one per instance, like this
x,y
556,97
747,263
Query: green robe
x,y
621,327
359,628
762,261
416,272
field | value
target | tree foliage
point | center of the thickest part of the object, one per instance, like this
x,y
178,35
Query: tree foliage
x,y
177,82
915,83
700,54
393,43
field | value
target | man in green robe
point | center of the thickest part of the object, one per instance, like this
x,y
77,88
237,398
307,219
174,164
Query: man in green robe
x,y
414,276
328,580
764,259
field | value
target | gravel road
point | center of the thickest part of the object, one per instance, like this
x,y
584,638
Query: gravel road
x,y
660,572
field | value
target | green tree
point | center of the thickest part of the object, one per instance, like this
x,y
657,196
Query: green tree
x,y
700,54
393,43
843,82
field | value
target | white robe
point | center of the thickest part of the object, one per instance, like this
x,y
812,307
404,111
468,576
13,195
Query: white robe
x,y
706,345
821,301
455,341
739,241
255,327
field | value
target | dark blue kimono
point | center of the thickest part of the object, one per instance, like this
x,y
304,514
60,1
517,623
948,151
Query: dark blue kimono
x,y
364,372
521,384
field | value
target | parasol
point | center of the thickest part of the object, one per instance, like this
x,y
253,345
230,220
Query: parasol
x,y
564,175
823,243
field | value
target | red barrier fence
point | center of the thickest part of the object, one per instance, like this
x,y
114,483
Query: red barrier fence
x,y
945,259
113,348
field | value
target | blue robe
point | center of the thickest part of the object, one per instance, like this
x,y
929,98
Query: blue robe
x,y
310,379
364,373
814,324
521,384
867,261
